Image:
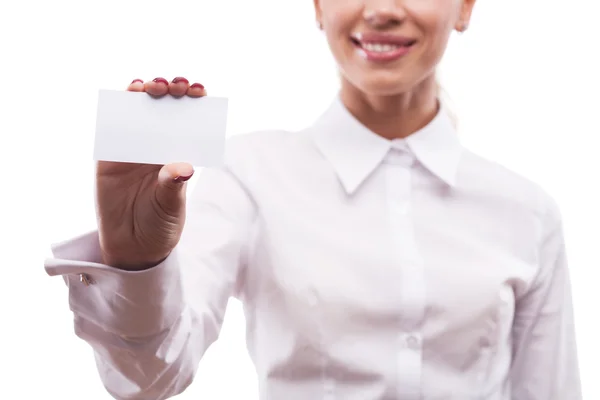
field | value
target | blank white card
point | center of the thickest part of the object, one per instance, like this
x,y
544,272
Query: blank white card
x,y
136,127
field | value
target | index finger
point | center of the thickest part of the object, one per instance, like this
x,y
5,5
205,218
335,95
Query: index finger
x,y
137,85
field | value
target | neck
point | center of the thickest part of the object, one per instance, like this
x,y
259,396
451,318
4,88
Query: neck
x,y
393,116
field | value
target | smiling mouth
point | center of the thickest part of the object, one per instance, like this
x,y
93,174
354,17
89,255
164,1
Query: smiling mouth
x,y
382,48
382,45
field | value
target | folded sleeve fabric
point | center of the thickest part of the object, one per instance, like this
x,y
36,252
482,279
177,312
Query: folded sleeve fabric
x,y
129,304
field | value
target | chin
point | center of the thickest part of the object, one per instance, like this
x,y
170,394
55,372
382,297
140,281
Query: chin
x,y
379,86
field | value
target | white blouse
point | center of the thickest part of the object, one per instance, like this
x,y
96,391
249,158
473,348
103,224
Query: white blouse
x,y
369,269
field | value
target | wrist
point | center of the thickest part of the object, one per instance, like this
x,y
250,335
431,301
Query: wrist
x,y
132,263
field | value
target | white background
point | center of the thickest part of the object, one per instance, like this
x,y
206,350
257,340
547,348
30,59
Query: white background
x,y
523,80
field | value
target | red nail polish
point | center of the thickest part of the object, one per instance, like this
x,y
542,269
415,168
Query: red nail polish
x,y
137,80
181,179
197,86
180,79
161,80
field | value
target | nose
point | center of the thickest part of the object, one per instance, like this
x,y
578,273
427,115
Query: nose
x,y
383,14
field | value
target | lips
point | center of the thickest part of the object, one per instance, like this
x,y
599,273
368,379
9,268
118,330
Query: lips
x,y
379,47
362,39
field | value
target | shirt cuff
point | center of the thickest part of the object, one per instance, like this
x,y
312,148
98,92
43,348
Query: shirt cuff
x,y
131,304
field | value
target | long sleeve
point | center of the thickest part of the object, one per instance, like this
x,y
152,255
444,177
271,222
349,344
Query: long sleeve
x,y
149,329
545,362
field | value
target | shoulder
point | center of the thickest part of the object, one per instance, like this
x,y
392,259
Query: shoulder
x,y
496,181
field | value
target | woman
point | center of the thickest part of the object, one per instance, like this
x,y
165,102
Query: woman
x,y
375,256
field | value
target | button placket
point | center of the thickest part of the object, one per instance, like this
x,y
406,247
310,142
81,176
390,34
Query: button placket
x,y
328,388
411,283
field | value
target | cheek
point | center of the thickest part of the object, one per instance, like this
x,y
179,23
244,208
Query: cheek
x,y
338,38
435,27
434,18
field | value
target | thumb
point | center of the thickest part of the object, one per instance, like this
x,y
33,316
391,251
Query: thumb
x,y
170,189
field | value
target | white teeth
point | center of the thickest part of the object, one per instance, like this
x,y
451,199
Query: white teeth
x,y
379,48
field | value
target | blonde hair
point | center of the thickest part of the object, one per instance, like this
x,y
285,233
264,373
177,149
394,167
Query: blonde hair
x,y
446,102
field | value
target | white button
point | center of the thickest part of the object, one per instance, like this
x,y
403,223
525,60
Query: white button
x,y
403,159
413,342
400,144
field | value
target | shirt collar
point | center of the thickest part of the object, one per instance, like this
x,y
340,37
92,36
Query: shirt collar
x,y
355,152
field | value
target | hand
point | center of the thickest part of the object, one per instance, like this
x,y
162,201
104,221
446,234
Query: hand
x,y
141,207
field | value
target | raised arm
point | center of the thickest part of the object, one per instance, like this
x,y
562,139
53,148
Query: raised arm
x,y
149,328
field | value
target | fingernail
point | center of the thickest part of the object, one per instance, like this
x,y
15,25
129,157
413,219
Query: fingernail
x,y
160,80
197,86
181,79
181,179
137,80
